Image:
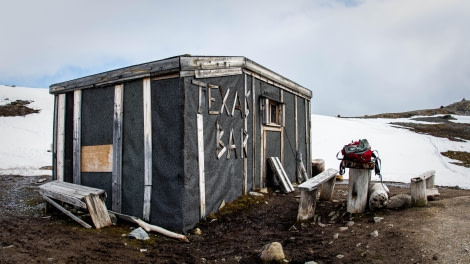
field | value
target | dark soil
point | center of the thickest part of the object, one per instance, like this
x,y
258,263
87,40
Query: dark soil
x,y
17,108
240,230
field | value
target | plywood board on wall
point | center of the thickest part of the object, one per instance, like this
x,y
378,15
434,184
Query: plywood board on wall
x,y
97,158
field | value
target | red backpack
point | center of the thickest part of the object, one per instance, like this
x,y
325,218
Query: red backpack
x,y
360,151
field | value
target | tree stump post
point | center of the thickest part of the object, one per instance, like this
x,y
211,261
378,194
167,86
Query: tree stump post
x,y
357,192
418,192
318,166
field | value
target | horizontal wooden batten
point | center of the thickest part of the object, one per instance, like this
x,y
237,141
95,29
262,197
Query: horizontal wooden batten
x,y
139,71
97,158
183,66
217,72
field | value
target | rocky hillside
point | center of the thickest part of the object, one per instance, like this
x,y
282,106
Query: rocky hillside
x,y
458,108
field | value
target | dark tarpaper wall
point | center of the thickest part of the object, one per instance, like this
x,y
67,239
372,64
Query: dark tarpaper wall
x,y
133,149
167,158
97,129
224,175
289,137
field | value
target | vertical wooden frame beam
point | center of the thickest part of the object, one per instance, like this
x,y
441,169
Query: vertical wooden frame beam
x,y
202,176
282,116
60,159
308,161
245,127
147,148
298,176
255,112
77,137
117,148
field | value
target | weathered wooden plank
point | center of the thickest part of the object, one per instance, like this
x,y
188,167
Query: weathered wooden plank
x,y
150,69
217,72
97,158
202,176
63,197
77,122
432,193
327,188
281,176
314,182
253,102
357,191
60,137
117,148
301,172
307,205
147,148
243,141
211,62
76,187
69,214
98,211
418,192
296,124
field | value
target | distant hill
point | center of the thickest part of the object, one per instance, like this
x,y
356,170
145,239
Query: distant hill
x,y
459,108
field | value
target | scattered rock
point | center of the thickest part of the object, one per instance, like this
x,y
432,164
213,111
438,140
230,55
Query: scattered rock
x,y
139,233
399,201
335,236
343,228
143,250
378,219
378,196
256,194
374,234
340,256
197,231
311,262
350,223
272,252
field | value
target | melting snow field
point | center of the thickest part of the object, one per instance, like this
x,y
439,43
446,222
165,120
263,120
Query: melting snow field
x,y
25,142
404,154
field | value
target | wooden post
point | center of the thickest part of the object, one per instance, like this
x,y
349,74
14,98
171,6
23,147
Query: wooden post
x,y
326,189
307,205
318,166
358,187
77,116
202,176
418,192
147,148
60,159
117,148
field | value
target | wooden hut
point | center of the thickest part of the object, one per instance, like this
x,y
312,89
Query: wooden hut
x,y
170,140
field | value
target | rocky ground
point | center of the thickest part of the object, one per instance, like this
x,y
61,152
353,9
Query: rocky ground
x,y
436,233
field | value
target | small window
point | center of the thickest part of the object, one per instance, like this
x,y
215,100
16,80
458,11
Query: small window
x,y
272,112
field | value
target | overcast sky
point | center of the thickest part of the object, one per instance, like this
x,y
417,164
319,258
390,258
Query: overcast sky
x,y
357,57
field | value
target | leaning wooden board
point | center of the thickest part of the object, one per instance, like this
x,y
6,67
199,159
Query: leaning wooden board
x,y
281,175
81,196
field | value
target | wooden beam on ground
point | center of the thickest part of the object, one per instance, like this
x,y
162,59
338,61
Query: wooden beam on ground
x,y
98,211
65,211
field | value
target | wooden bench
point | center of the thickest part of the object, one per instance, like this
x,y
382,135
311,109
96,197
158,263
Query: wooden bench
x,y
80,196
422,189
308,193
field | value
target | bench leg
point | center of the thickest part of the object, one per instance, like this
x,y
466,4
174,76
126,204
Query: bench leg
x,y
326,189
307,205
418,192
